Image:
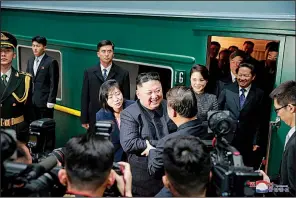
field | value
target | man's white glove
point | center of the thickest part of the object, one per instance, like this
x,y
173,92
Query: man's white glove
x,y
50,105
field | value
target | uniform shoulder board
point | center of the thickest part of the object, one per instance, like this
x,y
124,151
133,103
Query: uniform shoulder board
x,y
25,73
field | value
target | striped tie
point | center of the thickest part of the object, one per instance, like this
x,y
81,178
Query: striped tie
x,y
105,74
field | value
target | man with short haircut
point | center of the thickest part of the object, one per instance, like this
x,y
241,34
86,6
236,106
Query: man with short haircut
x,y
15,94
284,97
88,168
94,77
244,102
45,72
182,110
143,124
248,48
235,59
187,166
213,64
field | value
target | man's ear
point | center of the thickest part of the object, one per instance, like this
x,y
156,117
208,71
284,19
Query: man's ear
x,y
175,113
210,176
165,181
98,54
63,177
292,108
111,179
169,186
137,92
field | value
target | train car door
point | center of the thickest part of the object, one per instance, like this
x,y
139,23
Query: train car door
x,y
276,140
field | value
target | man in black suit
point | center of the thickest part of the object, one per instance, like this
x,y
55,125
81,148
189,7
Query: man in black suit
x,y
45,72
244,102
284,98
94,77
15,95
144,121
248,48
182,110
235,59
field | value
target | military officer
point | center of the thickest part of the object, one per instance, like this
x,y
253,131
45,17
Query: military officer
x,y
15,92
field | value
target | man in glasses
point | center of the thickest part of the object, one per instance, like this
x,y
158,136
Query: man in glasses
x,y
284,97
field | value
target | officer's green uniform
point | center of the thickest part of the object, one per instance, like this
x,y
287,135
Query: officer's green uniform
x,y
15,96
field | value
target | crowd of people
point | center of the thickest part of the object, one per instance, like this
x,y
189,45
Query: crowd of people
x,y
158,142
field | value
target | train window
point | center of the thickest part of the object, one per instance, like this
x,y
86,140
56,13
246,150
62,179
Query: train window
x,y
25,52
135,68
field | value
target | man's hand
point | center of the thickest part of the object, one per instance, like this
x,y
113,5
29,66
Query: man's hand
x,y
124,182
50,105
148,148
86,126
265,177
255,147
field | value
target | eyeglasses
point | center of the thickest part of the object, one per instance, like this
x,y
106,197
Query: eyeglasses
x,y
277,110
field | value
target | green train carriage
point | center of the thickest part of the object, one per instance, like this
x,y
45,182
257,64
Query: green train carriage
x,y
167,37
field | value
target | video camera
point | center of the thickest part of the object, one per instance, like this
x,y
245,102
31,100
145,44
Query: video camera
x,y
41,138
26,180
230,176
41,179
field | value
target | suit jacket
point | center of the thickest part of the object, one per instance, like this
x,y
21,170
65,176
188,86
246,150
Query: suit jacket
x,y
103,114
248,118
221,83
155,161
288,165
135,128
45,82
92,81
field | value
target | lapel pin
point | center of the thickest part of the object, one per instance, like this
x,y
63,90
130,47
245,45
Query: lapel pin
x,y
17,74
13,104
42,67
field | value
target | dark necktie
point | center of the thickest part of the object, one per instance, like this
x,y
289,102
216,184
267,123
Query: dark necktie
x,y
242,97
4,76
105,74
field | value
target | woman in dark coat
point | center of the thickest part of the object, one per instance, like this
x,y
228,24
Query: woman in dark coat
x,y
112,102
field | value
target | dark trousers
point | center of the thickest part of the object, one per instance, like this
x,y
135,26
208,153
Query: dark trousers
x,y
43,112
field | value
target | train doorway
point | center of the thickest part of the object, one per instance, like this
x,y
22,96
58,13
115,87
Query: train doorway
x,y
135,68
263,55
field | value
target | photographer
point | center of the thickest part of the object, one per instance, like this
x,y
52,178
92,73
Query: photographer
x,y
284,97
187,167
88,168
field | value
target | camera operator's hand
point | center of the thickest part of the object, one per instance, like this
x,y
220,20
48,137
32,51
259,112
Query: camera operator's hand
x,y
148,148
124,182
86,126
255,147
265,177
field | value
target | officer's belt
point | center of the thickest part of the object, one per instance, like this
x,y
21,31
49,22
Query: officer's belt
x,y
12,121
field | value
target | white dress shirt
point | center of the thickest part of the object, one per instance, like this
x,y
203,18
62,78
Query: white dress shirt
x,y
35,66
289,135
247,90
8,73
233,77
107,68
